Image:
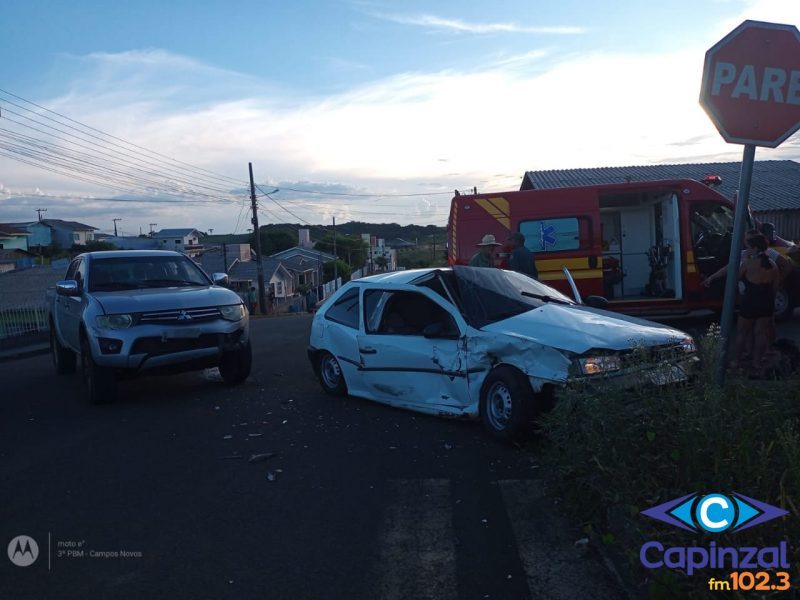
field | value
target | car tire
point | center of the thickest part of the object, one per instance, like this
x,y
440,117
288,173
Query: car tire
x,y
330,374
235,366
64,359
783,305
507,404
100,382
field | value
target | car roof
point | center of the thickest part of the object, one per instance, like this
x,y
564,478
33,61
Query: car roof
x,y
399,277
129,253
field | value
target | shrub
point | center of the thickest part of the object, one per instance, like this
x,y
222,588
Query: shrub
x,y
613,453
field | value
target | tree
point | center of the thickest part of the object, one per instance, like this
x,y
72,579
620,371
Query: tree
x,y
381,262
93,246
275,241
353,248
342,267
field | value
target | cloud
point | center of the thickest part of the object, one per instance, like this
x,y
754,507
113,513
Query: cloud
x,y
435,23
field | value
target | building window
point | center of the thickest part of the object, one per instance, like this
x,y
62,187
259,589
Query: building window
x,y
76,237
177,241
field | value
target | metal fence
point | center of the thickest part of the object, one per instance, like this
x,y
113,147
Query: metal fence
x,y
23,320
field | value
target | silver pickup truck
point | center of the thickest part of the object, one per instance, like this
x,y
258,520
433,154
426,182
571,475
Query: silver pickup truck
x,y
148,311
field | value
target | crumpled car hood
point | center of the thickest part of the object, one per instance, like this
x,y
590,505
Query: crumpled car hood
x,y
153,299
579,329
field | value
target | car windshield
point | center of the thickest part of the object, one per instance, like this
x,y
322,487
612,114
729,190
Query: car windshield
x,y
490,295
137,272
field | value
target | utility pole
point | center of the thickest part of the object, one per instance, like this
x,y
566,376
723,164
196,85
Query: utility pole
x,y
225,257
115,225
262,296
335,258
39,212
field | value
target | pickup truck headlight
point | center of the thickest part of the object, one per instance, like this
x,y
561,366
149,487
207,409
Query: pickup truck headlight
x,y
232,312
114,321
594,365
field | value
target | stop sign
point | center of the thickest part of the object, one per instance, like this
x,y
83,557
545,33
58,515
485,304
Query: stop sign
x,y
751,84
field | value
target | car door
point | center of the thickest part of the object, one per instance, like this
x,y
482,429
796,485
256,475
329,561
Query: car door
x,y
70,308
412,350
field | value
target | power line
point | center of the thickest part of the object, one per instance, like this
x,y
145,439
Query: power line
x,y
366,195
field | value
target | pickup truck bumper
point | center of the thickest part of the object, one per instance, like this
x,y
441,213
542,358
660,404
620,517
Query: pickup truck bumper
x,y
149,347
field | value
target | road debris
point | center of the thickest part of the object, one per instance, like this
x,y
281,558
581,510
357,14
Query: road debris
x,y
255,458
272,475
227,437
254,434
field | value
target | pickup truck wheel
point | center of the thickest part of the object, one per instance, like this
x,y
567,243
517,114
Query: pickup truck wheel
x,y
64,359
330,374
100,382
235,366
507,404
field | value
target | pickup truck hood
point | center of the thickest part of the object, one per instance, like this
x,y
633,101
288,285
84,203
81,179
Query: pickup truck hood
x,y
579,329
154,299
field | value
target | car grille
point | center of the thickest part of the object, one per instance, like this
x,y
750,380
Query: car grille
x,y
155,346
670,353
180,316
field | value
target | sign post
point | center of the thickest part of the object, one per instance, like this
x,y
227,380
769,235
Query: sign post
x,y
751,92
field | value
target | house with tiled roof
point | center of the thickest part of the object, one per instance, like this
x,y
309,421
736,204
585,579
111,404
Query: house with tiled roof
x,y
240,264
65,234
774,192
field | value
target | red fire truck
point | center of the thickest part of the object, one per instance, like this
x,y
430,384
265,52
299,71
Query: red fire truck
x,y
644,246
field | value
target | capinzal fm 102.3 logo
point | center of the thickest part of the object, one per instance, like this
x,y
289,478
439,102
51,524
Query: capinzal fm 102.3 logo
x,y
714,513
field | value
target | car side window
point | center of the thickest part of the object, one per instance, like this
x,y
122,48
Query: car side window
x,y
345,310
404,313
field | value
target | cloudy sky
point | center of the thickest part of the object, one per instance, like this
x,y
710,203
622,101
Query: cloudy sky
x,y
362,110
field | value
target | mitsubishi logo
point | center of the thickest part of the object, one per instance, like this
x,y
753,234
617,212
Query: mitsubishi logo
x,y
23,551
184,316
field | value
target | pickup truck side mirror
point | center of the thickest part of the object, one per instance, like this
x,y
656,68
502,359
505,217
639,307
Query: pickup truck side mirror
x,y
68,287
220,279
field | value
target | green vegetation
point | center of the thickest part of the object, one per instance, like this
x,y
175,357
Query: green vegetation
x,y
613,453
351,249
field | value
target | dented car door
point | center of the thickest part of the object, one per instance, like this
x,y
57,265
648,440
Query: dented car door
x,y
412,350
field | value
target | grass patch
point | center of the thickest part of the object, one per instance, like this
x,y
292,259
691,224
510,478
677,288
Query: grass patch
x,y
614,453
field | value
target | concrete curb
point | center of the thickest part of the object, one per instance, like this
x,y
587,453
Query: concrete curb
x,y
24,352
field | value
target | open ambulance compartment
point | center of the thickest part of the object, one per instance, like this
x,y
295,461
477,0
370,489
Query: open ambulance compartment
x,y
641,245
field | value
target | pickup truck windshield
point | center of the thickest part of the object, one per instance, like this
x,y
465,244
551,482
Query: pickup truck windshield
x,y
490,295
137,272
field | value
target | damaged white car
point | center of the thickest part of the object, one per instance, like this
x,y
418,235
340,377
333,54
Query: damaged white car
x,y
474,342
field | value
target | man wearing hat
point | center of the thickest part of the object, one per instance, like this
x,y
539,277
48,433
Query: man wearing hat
x,y
521,259
484,257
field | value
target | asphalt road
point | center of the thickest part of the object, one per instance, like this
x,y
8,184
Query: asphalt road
x,y
154,497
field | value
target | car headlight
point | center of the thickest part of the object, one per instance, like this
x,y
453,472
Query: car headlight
x,y
688,346
232,312
114,321
594,365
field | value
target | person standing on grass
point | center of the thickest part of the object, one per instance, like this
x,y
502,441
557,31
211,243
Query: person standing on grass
x,y
759,273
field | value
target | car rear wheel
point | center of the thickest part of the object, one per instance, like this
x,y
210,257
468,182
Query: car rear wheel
x,y
330,374
507,404
64,359
235,366
100,382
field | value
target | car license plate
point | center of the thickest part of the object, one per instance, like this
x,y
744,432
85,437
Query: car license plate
x,y
181,334
664,376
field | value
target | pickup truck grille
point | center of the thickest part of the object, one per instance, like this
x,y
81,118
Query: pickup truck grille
x,y
155,346
180,316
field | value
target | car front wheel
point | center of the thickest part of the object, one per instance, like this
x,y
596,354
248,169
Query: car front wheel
x,y
330,374
507,404
64,359
235,366
100,382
